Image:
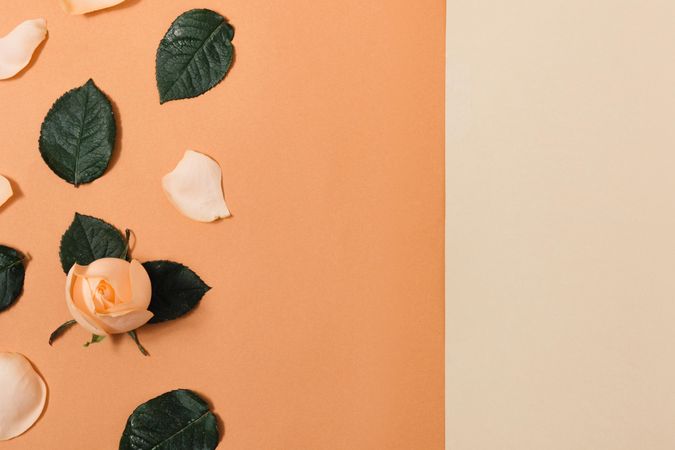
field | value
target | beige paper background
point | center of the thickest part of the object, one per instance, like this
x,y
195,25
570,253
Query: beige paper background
x,y
324,328
561,225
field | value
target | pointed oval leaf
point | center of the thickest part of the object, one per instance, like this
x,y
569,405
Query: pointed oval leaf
x,y
12,274
78,135
176,290
88,239
176,420
194,55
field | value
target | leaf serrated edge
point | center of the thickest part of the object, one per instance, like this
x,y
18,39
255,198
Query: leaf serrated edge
x,y
89,84
204,288
20,258
191,393
78,219
230,33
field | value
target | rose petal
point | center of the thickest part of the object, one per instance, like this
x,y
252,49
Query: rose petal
x,y
115,271
82,311
126,278
141,287
17,47
87,6
89,299
194,188
5,190
126,322
23,394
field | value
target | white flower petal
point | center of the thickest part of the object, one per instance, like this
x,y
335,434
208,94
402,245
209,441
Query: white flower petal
x,y
22,395
5,190
17,47
87,6
194,188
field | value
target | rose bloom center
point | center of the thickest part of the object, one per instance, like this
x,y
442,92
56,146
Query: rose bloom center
x,y
104,296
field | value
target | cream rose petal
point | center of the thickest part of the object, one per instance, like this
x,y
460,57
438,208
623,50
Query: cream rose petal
x,y
22,395
134,314
17,47
125,306
114,270
83,312
141,287
126,322
87,6
194,188
5,190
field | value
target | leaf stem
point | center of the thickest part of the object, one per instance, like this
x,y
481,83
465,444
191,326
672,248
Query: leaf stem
x,y
25,258
60,330
127,234
142,349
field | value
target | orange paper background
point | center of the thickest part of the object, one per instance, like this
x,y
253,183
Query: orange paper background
x,y
324,328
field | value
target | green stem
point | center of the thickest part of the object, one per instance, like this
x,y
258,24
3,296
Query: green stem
x,y
60,330
134,336
127,234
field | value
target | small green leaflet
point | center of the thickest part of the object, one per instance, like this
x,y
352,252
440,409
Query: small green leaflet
x,y
195,55
95,339
12,274
60,330
175,289
134,336
88,239
176,420
78,135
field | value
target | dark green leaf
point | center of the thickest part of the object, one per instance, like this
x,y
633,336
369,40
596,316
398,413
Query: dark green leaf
x,y
60,330
177,420
175,289
194,55
88,239
134,336
78,135
95,339
12,274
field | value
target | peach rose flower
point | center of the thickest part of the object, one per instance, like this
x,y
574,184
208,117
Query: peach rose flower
x,y
109,296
